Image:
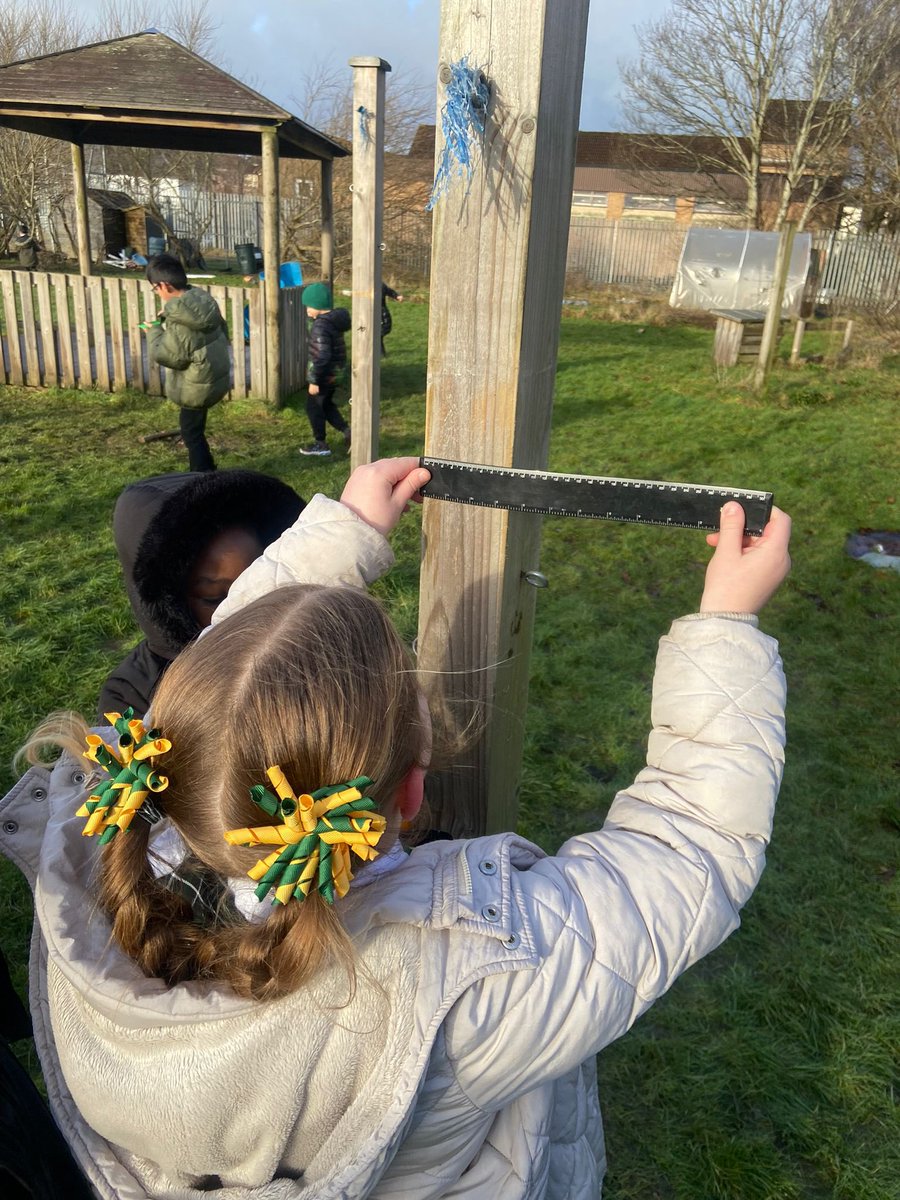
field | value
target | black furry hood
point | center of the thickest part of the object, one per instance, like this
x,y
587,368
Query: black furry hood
x,y
161,524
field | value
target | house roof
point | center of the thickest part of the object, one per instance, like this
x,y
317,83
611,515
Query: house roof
x,y
664,152
423,142
660,183
647,152
148,90
635,150
784,118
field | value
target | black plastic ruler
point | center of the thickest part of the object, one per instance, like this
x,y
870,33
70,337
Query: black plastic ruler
x,y
601,497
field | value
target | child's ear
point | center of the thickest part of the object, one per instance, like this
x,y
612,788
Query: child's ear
x,y
411,793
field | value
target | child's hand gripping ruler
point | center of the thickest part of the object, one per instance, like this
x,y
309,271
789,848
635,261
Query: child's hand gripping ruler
x,y
605,498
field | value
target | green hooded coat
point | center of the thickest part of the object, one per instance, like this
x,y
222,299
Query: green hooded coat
x,y
192,344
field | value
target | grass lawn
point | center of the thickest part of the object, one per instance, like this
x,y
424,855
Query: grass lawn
x,y
770,1071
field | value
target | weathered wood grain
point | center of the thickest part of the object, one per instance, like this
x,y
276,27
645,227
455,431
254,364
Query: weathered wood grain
x,y
498,268
368,221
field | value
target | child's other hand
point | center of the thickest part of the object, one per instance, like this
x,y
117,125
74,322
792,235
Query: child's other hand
x,y
745,572
314,389
379,492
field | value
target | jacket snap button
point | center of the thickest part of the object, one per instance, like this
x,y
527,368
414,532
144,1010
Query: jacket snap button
x,y
491,912
512,941
39,793
79,777
10,827
488,867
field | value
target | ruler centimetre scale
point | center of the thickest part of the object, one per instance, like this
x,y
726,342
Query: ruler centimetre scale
x,y
600,497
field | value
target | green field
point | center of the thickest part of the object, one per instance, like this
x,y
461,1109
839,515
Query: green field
x,y
770,1071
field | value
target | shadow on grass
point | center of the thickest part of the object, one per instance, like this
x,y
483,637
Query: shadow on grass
x,y
403,378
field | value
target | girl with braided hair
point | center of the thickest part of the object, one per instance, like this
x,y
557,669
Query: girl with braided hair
x,y
258,994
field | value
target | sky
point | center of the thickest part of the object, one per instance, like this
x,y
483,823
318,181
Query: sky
x,y
269,43
405,33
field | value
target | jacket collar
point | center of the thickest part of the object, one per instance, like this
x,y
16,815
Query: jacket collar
x,y
444,886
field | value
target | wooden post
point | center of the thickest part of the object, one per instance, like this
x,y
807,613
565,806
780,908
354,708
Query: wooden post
x,y
772,324
799,330
368,213
82,223
271,262
497,278
327,210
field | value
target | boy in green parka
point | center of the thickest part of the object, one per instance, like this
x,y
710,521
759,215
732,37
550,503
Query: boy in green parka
x,y
190,339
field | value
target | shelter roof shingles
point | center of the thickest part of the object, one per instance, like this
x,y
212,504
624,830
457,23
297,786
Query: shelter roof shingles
x,y
147,90
146,71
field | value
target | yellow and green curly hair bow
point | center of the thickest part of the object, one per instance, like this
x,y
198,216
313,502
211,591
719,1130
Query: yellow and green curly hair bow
x,y
131,779
316,835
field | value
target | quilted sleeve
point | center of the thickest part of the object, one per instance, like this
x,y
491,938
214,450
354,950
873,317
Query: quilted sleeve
x,y
617,915
170,346
327,544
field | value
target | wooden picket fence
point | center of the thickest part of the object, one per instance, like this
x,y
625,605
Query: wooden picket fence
x,y
77,331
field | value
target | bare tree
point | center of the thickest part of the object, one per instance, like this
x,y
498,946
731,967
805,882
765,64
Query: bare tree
x,y
770,86
325,101
875,168
34,171
189,22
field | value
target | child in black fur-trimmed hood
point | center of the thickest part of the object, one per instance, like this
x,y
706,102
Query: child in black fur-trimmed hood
x,y
183,539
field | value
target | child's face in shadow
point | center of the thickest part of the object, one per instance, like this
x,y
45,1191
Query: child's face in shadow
x,y
215,570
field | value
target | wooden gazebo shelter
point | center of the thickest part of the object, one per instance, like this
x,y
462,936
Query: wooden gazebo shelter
x,y
148,90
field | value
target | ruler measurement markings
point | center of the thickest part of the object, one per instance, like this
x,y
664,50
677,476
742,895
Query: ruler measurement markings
x,y
526,491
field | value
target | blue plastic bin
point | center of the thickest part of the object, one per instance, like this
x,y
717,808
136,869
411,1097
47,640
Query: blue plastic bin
x,y
290,274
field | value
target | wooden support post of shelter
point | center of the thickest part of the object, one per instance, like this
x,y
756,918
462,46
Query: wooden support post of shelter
x,y
82,225
498,274
772,324
327,222
271,261
368,214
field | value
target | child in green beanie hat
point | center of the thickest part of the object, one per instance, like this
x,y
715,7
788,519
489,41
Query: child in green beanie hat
x,y
327,358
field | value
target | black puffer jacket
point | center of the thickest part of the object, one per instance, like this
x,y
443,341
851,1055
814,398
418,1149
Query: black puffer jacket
x,y
161,525
327,348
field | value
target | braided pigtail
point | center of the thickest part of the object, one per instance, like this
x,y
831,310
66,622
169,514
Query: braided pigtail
x,y
304,688
152,923
274,957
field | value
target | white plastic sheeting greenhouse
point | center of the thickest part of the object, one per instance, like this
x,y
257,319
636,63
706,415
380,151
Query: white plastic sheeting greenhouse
x,y
735,269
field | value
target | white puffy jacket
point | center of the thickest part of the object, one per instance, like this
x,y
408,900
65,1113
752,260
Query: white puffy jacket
x,y
490,974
